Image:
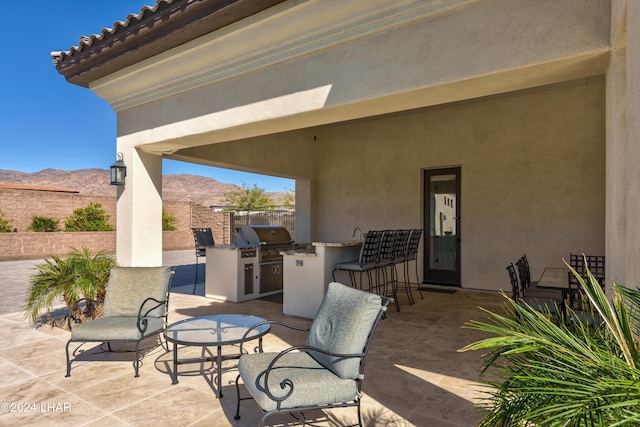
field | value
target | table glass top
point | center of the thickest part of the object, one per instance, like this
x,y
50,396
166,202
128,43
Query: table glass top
x,y
554,277
216,329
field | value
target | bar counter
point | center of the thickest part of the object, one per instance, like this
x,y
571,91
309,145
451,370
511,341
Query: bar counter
x,y
307,274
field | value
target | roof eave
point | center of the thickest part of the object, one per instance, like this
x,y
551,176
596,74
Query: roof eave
x,y
152,32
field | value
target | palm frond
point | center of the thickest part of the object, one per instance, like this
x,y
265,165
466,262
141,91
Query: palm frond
x,y
580,374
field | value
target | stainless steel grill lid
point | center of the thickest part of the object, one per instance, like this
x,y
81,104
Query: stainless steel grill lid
x,y
254,235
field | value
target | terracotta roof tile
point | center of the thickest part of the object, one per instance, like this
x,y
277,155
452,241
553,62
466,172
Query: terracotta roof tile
x,y
155,29
118,28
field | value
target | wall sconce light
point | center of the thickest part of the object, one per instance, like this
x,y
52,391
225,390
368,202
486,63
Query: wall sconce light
x,y
118,171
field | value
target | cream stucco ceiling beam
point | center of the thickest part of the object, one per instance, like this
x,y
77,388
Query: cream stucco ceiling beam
x,y
172,139
280,33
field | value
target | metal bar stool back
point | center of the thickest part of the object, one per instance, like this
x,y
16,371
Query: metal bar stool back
x,y
383,262
366,262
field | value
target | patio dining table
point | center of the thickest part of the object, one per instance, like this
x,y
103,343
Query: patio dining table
x,y
555,278
215,330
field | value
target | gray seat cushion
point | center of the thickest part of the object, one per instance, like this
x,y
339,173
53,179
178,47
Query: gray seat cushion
x,y
312,382
342,325
114,328
354,266
128,287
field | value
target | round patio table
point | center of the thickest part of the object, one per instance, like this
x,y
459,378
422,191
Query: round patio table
x,y
216,330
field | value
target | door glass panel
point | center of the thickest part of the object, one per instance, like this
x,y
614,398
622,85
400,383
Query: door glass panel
x,y
442,222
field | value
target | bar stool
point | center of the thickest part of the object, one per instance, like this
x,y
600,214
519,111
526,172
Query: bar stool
x,y
412,255
204,239
366,262
383,262
399,254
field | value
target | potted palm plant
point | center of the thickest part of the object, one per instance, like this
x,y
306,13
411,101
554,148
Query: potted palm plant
x,y
581,372
80,275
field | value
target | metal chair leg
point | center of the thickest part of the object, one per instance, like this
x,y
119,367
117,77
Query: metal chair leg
x,y
418,281
136,363
68,360
195,283
407,285
237,416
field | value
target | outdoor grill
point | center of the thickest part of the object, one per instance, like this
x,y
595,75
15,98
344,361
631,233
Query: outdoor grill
x,y
268,241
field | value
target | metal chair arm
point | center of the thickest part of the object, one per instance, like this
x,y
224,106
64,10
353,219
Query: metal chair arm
x,y
142,322
287,382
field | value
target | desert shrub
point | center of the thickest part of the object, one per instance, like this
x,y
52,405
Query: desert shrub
x,y
249,199
168,221
90,218
43,224
80,275
6,224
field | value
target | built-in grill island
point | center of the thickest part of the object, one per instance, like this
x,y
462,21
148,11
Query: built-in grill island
x,y
268,241
255,267
250,268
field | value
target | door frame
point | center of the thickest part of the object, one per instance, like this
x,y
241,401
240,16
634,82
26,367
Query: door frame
x,y
436,276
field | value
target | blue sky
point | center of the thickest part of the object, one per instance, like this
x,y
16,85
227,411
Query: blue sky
x,y
46,122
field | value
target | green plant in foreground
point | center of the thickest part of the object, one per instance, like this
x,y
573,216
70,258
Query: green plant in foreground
x,y
584,373
90,218
80,275
43,224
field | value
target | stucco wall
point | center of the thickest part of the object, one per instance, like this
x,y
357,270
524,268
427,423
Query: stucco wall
x,y
533,174
532,163
353,64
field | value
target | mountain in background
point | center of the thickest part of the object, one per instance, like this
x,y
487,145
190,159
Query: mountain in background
x,y
194,188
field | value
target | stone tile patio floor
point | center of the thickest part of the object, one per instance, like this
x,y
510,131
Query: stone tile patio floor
x,y
414,374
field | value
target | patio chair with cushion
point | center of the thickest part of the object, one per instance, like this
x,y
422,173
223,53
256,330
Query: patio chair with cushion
x,y
135,307
327,371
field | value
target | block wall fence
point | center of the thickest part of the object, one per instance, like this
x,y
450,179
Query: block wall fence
x,y
21,205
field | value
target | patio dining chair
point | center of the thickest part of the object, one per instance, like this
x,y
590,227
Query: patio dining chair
x,y
135,307
366,262
204,239
549,305
527,290
326,372
580,263
527,267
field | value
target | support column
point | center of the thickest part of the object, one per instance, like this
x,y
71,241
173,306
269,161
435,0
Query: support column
x,y
623,147
616,168
139,210
633,155
303,210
